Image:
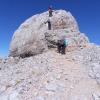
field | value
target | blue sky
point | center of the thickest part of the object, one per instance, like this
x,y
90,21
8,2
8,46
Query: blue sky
x,y
14,12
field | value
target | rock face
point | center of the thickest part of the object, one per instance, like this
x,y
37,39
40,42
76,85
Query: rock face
x,y
90,57
47,76
50,75
33,36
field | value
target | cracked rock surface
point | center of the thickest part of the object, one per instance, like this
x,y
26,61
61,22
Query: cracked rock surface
x,y
33,37
48,76
35,71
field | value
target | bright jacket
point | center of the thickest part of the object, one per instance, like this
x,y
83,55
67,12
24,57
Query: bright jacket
x,y
66,41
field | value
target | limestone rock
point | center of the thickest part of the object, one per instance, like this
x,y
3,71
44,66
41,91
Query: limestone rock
x,y
33,36
13,96
50,75
96,96
76,39
90,57
47,76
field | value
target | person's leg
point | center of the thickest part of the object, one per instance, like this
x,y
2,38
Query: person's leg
x,y
63,49
49,26
59,48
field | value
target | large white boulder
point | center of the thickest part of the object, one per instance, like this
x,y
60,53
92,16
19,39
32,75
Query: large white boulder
x,y
33,36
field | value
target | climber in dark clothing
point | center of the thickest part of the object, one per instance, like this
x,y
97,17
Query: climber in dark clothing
x,y
49,24
50,11
62,45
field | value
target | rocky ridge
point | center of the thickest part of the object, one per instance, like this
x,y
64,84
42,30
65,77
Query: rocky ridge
x,y
33,36
46,74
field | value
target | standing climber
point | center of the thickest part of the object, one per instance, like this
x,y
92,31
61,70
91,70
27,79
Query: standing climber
x,y
62,44
50,11
49,24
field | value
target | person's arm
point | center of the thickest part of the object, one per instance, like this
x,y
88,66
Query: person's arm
x,y
45,22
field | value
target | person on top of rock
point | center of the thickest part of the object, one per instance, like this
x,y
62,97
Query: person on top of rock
x,y
61,45
49,24
50,11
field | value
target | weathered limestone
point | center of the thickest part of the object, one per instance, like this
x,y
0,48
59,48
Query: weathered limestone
x,y
47,76
50,75
33,36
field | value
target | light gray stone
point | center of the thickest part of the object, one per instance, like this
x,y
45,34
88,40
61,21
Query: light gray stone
x,y
51,87
13,96
95,97
33,36
50,75
40,98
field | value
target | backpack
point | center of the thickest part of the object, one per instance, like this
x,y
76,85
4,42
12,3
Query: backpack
x,y
66,41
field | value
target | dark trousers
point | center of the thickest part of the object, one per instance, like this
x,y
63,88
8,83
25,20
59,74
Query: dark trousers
x,y
49,25
61,48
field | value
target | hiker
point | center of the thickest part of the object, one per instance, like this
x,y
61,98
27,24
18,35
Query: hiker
x,y
62,44
49,24
50,11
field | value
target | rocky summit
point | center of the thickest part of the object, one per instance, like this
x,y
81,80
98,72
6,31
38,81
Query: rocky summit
x,y
33,36
34,70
